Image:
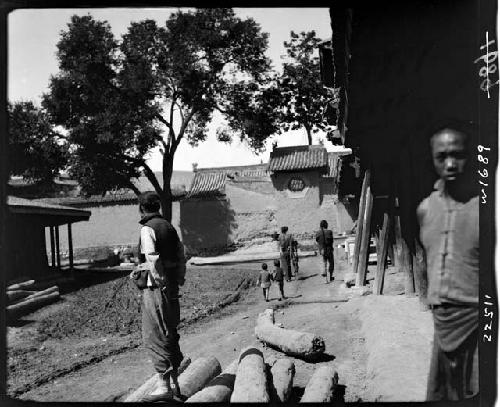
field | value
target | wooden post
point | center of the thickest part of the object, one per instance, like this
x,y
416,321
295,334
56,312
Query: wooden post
x,y
52,247
382,255
70,247
359,228
58,252
365,236
405,259
420,270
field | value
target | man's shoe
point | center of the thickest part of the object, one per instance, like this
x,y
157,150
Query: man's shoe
x,y
168,396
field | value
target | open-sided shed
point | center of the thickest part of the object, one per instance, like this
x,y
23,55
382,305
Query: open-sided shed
x,y
26,223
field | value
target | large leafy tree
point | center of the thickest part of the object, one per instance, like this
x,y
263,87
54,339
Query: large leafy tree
x,y
36,151
305,102
157,86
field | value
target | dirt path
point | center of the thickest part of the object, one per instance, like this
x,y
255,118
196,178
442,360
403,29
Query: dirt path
x,y
349,329
312,307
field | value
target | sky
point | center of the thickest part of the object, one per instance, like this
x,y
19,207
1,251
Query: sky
x,y
33,35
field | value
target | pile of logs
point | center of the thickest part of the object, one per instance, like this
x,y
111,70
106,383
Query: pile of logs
x,y
25,297
247,379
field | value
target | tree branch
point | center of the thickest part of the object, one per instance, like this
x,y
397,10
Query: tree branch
x,y
176,141
132,186
150,175
165,122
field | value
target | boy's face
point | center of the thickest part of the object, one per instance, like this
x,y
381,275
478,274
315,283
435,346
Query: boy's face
x,y
449,154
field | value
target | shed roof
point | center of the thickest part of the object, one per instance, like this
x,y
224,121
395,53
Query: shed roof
x,y
208,184
298,158
34,207
126,197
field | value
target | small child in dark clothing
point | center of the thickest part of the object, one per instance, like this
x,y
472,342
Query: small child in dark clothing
x,y
264,280
278,276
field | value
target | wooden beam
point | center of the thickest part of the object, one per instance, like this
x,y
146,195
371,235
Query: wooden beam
x,y
420,271
382,255
70,247
405,259
52,247
359,228
58,251
365,236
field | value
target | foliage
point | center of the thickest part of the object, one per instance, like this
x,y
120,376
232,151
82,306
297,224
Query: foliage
x,y
305,101
157,86
36,151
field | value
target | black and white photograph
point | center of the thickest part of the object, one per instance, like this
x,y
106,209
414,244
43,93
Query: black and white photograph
x,y
249,203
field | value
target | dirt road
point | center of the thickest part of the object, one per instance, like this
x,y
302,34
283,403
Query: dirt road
x,y
312,306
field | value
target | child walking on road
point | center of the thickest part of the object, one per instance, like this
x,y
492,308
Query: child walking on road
x,y
264,280
278,276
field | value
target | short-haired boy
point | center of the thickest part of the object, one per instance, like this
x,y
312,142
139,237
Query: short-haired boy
x,y
264,280
278,276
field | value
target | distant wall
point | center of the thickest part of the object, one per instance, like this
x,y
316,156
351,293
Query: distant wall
x,y
206,223
110,225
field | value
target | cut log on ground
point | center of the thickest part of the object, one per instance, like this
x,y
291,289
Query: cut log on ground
x,y
25,307
300,344
240,258
20,286
37,294
283,372
16,295
219,389
198,375
151,384
250,385
321,386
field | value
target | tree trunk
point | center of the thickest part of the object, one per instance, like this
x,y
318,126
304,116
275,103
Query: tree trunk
x,y
321,386
282,372
250,385
198,374
219,389
151,384
300,344
309,136
166,196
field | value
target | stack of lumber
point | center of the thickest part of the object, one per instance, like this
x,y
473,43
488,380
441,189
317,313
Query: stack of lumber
x,y
247,379
26,296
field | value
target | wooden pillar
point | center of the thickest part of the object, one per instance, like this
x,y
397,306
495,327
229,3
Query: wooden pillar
x,y
365,236
58,252
420,270
52,247
405,258
382,254
70,247
359,228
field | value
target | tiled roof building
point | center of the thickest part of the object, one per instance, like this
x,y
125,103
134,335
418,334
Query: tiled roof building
x,y
298,158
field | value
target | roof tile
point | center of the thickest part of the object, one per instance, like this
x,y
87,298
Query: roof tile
x,y
298,158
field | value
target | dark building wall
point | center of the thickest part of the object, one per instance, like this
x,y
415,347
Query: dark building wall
x,y
27,247
206,223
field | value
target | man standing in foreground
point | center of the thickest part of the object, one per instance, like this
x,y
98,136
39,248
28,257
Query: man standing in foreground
x,y
161,248
449,231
